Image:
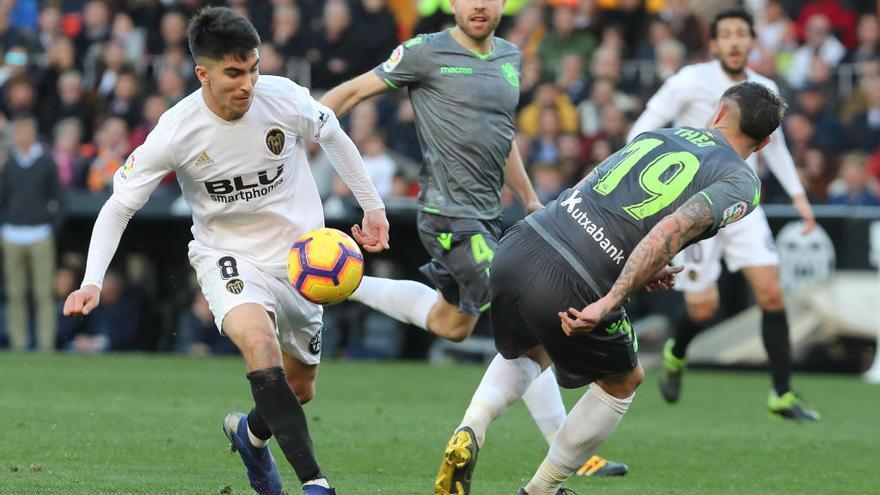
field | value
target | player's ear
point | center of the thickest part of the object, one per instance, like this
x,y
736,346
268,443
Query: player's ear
x,y
764,142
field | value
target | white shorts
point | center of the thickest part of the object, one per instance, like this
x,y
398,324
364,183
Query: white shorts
x,y
748,242
228,281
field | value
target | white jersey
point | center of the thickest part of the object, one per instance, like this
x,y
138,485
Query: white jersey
x,y
690,98
248,182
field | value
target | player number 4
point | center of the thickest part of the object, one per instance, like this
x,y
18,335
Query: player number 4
x,y
661,191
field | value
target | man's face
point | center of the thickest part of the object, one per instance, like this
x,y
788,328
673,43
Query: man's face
x,y
732,44
230,83
477,18
24,133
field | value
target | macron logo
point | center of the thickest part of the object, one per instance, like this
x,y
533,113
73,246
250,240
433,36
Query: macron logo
x,y
596,233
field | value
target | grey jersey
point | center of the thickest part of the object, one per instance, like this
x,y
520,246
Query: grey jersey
x,y
464,106
596,224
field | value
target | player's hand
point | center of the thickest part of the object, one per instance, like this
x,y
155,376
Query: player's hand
x,y
584,320
663,279
802,205
82,301
374,234
533,206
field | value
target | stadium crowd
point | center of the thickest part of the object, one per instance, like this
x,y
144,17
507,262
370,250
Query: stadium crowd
x,y
94,77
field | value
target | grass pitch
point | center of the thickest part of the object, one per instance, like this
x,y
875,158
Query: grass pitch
x,y
141,424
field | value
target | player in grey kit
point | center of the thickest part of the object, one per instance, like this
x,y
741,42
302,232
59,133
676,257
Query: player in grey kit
x,y
464,87
592,248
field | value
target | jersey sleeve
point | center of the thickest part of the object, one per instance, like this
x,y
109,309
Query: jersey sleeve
x,y
732,198
405,65
147,165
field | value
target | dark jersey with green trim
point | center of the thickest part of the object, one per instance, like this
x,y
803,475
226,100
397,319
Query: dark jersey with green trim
x,y
464,106
596,224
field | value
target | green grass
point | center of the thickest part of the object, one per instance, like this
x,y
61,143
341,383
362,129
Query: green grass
x,y
151,424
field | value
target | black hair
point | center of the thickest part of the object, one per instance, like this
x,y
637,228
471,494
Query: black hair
x,y
215,32
734,13
760,109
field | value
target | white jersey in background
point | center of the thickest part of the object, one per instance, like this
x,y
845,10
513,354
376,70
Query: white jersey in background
x,y
690,98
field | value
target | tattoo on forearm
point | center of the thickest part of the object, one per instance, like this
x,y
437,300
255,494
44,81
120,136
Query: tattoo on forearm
x,y
661,244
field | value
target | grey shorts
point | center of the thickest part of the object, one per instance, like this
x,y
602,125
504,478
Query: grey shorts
x,y
461,252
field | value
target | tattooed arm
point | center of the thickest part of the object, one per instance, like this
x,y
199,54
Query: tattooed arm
x,y
647,263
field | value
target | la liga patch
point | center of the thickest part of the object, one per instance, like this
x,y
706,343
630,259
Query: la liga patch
x,y
394,59
734,213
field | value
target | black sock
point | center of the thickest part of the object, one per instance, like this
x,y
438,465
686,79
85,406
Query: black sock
x,y
282,412
685,332
774,330
258,426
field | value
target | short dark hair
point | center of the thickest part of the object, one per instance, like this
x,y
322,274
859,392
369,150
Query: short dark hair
x,y
216,32
760,109
734,13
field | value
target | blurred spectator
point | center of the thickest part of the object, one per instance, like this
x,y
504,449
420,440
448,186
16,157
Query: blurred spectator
x,y
545,146
198,334
564,38
9,34
572,165
603,92
341,203
572,79
112,147
685,26
30,201
839,18
402,132
66,281
864,129
115,325
670,57
271,61
548,181
131,38
607,64
775,31
72,166
528,31
154,107
60,58
868,47
112,62
70,100
531,75
799,132
48,28
20,98
287,31
630,17
659,31
854,187
173,32
812,102
821,45
815,174
95,26
377,31
172,87
380,167
548,95
335,52
124,101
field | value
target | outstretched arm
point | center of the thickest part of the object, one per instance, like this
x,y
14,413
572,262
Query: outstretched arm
x,y
647,261
347,95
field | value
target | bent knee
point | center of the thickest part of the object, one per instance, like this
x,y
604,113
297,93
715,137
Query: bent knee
x,y
454,331
702,311
304,389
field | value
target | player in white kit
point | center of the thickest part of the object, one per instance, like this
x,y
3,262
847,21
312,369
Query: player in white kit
x,y
237,146
688,99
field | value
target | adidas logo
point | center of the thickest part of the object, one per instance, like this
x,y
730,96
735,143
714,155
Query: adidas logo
x,y
204,160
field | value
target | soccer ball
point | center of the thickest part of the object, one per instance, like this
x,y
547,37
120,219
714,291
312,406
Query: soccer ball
x,y
325,266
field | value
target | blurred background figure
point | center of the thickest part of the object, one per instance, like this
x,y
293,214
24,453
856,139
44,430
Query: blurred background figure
x,y
30,201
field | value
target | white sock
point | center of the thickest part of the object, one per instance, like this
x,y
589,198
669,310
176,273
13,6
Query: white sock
x,y
544,402
319,481
256,441
504,382
589,423
406,301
